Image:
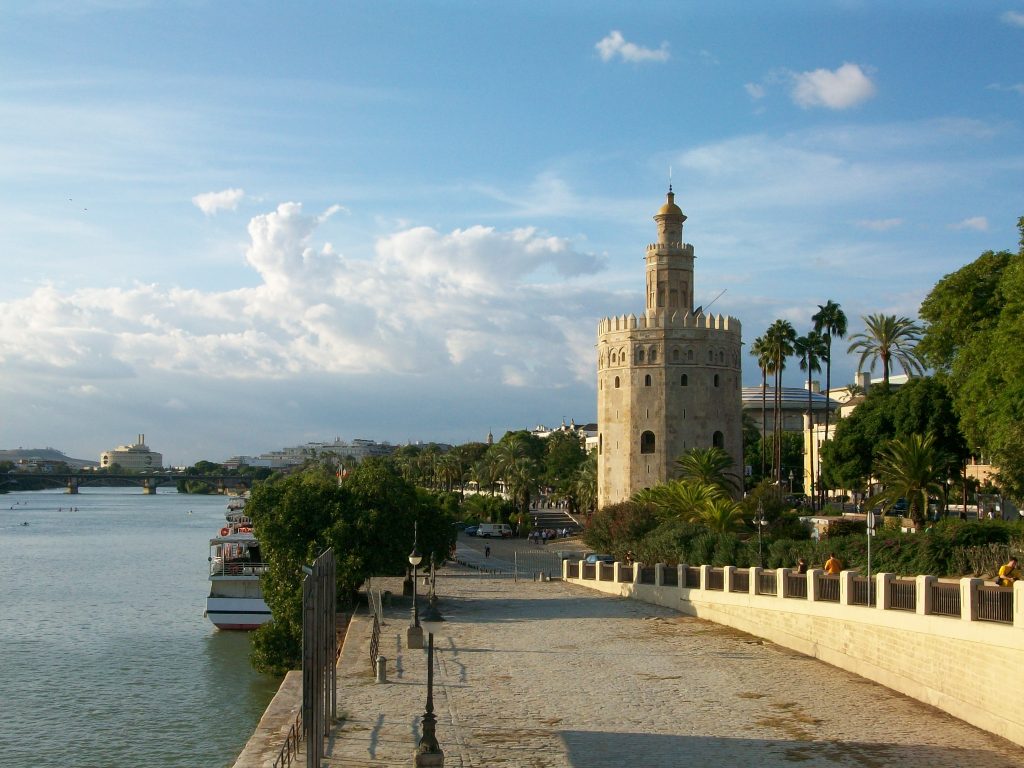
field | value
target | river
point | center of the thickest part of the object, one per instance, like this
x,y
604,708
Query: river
x,y
105,656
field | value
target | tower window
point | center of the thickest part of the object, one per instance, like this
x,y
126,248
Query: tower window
x,y
616,382
647,380
718,440
600,443
716,379
653,356
675,355
647,442
689,355
640,356
613,358
684,380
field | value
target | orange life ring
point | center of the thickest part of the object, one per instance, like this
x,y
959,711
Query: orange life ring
x,y
224,531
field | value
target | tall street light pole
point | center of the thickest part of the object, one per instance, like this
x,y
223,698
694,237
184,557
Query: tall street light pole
x,y
414,635
428,752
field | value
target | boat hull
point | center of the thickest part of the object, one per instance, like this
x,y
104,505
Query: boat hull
x,y
243,613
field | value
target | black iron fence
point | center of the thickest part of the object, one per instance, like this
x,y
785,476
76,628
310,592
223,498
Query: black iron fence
x,y
319,654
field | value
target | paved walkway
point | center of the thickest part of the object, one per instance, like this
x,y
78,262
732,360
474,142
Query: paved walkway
x,y
549,675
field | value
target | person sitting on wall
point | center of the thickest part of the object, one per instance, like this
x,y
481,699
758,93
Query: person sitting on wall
x,y
1008,573
832,565
801,566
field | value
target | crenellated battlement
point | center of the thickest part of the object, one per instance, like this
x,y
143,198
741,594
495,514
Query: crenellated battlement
x,y
686,248
699,321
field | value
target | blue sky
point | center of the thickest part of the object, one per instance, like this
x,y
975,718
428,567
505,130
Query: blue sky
x,y
236,226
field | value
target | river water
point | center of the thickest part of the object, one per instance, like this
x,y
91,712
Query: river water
x,y
105,656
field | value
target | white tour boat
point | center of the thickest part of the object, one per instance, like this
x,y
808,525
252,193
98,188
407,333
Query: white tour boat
x,y
236,600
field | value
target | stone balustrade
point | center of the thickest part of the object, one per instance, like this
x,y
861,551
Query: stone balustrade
x,y
954,644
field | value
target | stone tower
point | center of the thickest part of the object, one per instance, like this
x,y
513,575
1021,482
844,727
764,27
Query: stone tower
x,y
668,380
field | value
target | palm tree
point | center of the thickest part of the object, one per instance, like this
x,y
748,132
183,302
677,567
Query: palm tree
x,y
682,499
810,349
888,338
829,321
722,515
911,468
779,338
585,484
759,349
519,471
709,466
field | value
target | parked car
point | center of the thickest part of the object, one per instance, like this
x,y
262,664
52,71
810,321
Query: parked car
x,y
470,530
593,557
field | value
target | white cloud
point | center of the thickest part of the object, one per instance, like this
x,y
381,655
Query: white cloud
x,y
1016,87
880,225
1013,18
225,200
846,87
979,223
614,44
754,90
426,302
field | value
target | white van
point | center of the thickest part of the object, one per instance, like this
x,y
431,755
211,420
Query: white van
x,y
486,530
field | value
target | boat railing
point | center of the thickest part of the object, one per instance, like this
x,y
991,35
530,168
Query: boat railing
x,y
219,567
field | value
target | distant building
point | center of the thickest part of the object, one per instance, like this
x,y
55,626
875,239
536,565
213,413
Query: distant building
x,y
794,407
298,455
132,457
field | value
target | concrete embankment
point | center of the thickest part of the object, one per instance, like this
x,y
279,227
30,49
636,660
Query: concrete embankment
x,y
263,746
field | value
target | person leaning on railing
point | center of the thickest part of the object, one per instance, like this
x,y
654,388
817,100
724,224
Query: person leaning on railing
x,y
1008,573
832,565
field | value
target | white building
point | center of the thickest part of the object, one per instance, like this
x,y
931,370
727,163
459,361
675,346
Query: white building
x,y
132,457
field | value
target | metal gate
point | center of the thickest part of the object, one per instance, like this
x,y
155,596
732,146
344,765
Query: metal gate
x,y
319,654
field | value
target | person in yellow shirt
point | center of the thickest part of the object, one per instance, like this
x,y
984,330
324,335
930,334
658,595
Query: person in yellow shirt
x,y
832,565
1008,573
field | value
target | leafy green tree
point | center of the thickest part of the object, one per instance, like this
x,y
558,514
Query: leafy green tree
x,y
975,325
890,339
922,406
369,521
911,468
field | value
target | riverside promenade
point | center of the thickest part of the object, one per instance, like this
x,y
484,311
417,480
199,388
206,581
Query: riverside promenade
x,y
548,674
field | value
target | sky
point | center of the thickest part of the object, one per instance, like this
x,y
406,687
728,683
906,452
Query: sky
x,y
240,226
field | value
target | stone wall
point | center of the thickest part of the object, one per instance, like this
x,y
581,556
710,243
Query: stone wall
x,y
968,667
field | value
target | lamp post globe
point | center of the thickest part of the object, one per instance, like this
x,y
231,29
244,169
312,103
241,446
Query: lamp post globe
x,y
414,635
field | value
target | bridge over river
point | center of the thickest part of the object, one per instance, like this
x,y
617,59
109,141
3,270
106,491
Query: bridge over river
x,y
149,482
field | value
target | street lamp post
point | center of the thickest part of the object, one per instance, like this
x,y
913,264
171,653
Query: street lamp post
x,y
428,752
760,523
414,635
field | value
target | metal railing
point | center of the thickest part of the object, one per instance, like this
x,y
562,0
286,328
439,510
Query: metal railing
x,y
945,599
766,583
828,588
863,591
647,575
716,579
669,576
995,604
796,585
237,568
626,572
290,749
740,581
573,570
692,576
903,595
607,569
319,654
589,571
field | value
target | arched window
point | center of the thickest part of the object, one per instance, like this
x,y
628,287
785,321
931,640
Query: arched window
x,y
689,355
639,355
684,380
653,354
716,379
647,380
675,355
613,358
711,356
718,440
600,443
616,382
647,442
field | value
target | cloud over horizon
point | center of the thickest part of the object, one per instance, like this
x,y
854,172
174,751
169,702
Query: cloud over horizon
x,y
225,200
